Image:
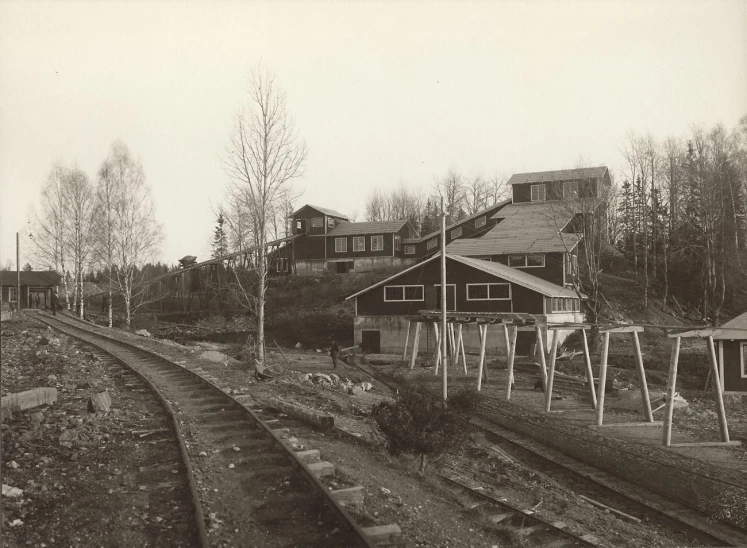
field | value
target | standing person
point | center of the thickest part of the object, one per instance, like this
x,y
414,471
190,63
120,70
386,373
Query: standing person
x,y
334,351
55,302
37,300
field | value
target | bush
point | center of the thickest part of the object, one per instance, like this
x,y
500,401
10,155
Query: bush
x,y
419,423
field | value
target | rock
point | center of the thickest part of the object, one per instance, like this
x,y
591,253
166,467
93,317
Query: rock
x,y
14,464
43,341
356,390
67,437
203,454
335,378
298,345
318,351
366,386
51,378
217,357
143,333
100,402
231,466
36,419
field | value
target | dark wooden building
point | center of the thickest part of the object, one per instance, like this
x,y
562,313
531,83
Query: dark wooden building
x,y
732,354
473,285
36,288
563,184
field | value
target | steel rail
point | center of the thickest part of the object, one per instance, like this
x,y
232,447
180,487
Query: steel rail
x,y
341,514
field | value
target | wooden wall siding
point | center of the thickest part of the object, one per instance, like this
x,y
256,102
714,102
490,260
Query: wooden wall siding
x,y
552,271
403,233
306,214
386,252
523,299
733,381
553,190
308,247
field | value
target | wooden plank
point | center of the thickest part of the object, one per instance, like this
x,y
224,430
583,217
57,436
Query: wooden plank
x,y
613,424
642,379
717,387
513,331
308,456
438,347
460,347
384,534
407,340
589,371
708,444
321,469
622,329
541,354
350,495
602,378
483,329
551,372
28,399
610,509
671,385
415,345
321,420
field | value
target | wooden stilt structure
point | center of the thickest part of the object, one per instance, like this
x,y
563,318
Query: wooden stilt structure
x,y
602,378
589,371
415,345
551,372
483,329
541,354
460,348
407,341
671,385
438,347
511,354
642,379
718,392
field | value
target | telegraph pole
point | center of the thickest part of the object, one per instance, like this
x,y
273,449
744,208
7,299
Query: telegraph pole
x,y
444,378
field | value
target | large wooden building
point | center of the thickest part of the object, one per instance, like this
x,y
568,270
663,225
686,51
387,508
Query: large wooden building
x,y
36,288
473,285
732,354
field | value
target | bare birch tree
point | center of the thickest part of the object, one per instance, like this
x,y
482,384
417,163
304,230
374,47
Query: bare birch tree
x,y
264,156
451,189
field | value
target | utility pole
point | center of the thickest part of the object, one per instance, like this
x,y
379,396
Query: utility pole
x,y
444,372
18,273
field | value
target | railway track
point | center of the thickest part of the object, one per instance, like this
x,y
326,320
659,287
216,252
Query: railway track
x,y
260,488
595,483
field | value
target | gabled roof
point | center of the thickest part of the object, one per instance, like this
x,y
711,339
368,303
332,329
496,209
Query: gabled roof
x,y
558,175
373,227
324,210
733,329
526,241
46,278
499,270
470,218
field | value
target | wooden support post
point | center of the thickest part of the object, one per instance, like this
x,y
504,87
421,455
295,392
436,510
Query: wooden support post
x,y
642,379
460,348
589,371
602,378
510,362
483,338
717,389
551,372
415,345
452,341
541,354
438,347
407,341
671,385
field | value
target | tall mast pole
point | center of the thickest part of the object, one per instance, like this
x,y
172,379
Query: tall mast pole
x,y
18,273
444,373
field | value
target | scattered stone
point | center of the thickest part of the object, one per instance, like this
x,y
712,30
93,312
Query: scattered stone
x,y
67,437
100,403
143,333
11,492
14,464
202,454
36,419
298,345
231,466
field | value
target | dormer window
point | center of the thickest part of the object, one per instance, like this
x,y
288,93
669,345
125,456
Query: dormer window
x,y
570,189
538,193
330,222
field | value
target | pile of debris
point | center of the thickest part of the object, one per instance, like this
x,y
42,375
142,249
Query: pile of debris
x,y
333,381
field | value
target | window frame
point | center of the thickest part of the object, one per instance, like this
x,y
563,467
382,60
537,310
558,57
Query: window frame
x,y
517,255
377,238
281,261
571,184
489,298
357,239
455,236
397,242
481,221
317,222
526,260
544,192
330,222
344,240
433,241
403,299
410,249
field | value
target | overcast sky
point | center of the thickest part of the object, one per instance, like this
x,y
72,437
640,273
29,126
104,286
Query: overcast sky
x,y
383,93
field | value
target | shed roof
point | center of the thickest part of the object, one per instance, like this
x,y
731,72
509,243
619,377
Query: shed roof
x,y
324,210
497,205
558,175
373,227
497,269
46,278
526,241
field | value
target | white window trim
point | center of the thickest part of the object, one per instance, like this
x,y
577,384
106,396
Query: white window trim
x,y
544,192
432,243
481,221
508,260
456,232
376,239
330,222
343,249
320,220
488,297
403,300
397,242
743,351
358,239
526,261
410,249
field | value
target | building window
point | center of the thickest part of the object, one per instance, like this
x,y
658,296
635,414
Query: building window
x,y
299,225
432,243
359,243
409,250
395,293
456,232
489,292
341,245
330,222
281,265
570,189
530,260
377,243
480,221
538,193
577,305
317,222
397,242
12,294
571,264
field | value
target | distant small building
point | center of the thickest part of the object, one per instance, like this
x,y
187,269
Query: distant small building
x,y
732,354
36,288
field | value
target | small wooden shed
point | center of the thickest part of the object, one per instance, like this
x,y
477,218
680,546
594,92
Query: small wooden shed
x,y
732,354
